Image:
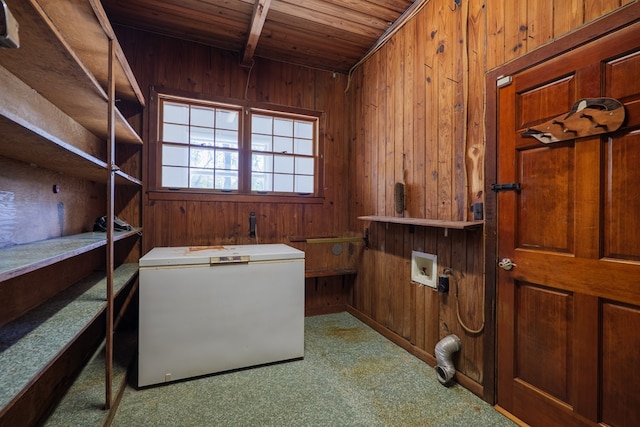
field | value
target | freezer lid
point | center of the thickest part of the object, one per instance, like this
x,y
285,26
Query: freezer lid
x,y
223,254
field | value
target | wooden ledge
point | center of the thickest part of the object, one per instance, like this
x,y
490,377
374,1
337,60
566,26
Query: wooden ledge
x,y
330,272
424,222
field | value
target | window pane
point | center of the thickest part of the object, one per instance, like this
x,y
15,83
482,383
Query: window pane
x,y
201,178
202,158
202,116
261,182
175,113
226,138
261,124
304,184
283,164
303,146
175,133
282,144
304,166
283,127
303,130
262,163
175,156
226,119
175,177
226,159
282,182
201,136
226,180
261,142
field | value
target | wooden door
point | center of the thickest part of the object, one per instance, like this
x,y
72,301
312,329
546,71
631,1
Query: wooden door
x,y
568,313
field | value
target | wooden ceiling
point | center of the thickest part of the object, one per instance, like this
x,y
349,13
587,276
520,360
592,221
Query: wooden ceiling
x,y
327,34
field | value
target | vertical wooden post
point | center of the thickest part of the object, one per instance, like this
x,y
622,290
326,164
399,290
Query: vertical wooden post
x,y
111,167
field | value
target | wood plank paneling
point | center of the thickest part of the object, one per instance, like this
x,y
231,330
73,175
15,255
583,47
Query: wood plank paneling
x,y
567,14
416,133
475,142
416,162
540,23
177,221
596,8
32,211
178,65
515,28
430,179
495,32
430,80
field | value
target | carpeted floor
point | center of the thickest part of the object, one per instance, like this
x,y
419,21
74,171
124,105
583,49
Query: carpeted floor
x,y
350,376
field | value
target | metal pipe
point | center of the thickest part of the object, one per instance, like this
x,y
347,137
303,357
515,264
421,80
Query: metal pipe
x,y
444,351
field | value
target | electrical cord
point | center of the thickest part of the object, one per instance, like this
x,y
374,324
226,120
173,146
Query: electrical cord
x,y
449,272
246,87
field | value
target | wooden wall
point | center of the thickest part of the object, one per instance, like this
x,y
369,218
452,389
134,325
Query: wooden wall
x,y
32,211
412,120
417,116
414,113
517,27
177,220
178,65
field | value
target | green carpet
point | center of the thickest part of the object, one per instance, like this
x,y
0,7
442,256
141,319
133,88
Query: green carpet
x,y
350,376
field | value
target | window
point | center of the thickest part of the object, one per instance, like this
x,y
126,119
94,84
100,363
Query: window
x,y
282,154
241,149
200,146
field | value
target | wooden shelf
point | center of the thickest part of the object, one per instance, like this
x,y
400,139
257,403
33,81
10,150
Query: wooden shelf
x,y
36,339
47,62
23,259
85,26
330,272
333,240
123,178
36,132
423,222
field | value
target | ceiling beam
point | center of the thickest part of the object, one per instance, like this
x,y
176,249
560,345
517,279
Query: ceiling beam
x,y
260,9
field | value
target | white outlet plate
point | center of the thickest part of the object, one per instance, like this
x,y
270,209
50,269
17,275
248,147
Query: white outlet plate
x,y
424,268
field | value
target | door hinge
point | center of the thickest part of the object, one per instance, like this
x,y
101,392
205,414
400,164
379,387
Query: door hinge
x,y
513,186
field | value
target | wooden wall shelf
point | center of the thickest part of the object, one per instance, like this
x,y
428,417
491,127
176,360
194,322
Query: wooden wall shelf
x,y
46,62
44,332
423,222
85,26
31,144
23,259
330,272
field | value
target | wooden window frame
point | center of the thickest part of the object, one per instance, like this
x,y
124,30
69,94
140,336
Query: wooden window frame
x,y
155,189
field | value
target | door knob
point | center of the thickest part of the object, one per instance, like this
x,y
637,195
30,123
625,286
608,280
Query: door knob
x,y
506,264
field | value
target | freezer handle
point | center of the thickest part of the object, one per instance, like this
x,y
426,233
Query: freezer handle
x,y
232,259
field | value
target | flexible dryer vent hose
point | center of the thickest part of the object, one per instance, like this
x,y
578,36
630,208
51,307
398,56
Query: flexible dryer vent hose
x,y
444,351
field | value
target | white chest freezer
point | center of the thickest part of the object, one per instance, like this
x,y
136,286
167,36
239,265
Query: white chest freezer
x,y
216,308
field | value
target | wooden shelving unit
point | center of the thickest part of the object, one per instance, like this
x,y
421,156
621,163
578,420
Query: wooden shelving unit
x,y
58,93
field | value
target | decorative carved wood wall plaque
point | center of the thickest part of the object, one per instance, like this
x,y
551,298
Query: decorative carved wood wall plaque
x,y
588,116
